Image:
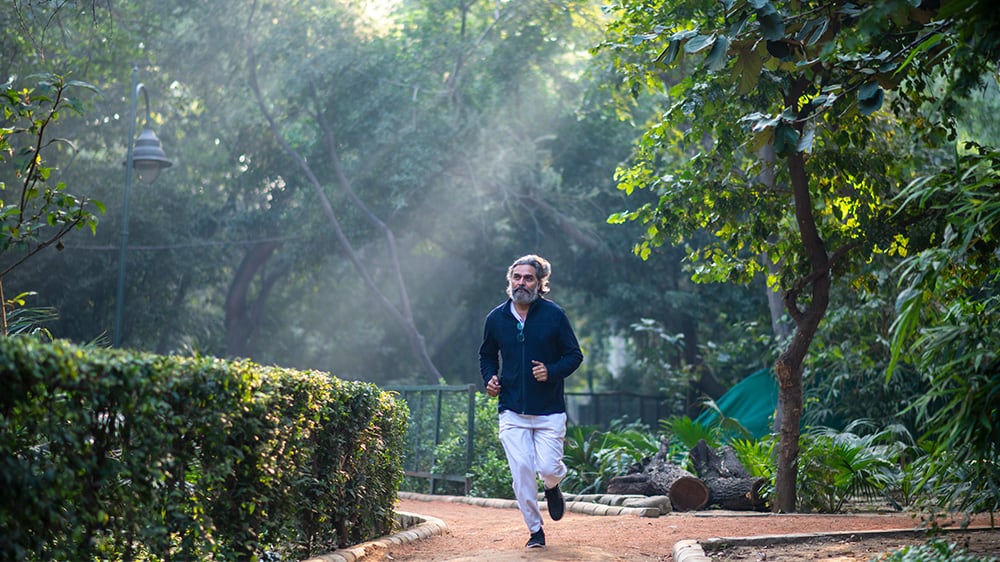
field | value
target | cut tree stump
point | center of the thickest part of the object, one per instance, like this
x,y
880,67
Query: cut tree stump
x,y
656,476
685,490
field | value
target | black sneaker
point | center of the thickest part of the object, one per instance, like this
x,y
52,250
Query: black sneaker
x,y
557,505
537,539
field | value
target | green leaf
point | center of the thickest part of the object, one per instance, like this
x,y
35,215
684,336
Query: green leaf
x,y
806,140
761,121
684,35
760,139
779,50
922,47
748,65
870,98
868,90
819,31
717,57
84,85
771,25
786,139
740,25
669,55
698,43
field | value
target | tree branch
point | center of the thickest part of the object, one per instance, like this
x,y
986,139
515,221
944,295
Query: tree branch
x,y
404,319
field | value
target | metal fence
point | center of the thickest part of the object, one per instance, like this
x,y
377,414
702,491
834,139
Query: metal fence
x,y
601,409
441,413
428,405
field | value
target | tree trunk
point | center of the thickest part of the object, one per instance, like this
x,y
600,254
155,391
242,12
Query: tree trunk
x,y
775,304
242,314
790,403
636,484
788,368
685,490
3,311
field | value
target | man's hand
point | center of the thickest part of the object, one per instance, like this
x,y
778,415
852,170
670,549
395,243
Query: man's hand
x,y
493,387
539,370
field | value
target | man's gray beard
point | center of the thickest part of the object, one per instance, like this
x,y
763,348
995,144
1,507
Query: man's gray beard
x,y
523,296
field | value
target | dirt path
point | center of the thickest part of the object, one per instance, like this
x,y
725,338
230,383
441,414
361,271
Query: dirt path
x,y
498,534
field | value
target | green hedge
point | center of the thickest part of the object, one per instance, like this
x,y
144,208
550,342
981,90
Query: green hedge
x,y
107,454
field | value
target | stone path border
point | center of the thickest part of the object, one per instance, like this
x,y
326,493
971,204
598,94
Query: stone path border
x,y
414,527
689,551
588,504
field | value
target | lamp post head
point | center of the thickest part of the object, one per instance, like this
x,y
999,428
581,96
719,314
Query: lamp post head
x,y
148,157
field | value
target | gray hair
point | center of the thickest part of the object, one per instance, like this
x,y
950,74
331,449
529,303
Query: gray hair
x,y
542,270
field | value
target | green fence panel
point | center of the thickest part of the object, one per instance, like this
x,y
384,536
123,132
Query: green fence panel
x,y
429,406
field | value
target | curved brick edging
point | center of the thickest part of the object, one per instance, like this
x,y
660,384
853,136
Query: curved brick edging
x,y
427,527
689,551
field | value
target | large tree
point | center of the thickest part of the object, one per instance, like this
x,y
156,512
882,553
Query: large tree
x,y
775,144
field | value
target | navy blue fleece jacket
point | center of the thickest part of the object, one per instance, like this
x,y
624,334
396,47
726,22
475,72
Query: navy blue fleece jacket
x,y
548,337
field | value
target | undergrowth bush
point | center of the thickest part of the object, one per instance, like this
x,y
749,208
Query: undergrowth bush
x,y
594,457
835,466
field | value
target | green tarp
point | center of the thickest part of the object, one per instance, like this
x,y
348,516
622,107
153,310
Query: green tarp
x,y
751,401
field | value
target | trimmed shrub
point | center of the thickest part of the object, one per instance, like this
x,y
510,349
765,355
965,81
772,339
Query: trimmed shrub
x,y
117,455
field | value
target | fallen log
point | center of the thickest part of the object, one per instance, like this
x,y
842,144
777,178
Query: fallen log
x,y
685,490
730,484
631,485
738,494
656,476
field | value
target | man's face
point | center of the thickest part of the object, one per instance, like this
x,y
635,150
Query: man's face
x,y
523,284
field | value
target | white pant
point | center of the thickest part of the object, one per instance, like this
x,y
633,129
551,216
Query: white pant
x,y
533,444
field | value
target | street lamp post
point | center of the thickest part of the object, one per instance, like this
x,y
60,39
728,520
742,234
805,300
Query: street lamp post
x,y
147,158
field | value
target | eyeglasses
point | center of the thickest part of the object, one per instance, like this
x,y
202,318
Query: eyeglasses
x,y
520,331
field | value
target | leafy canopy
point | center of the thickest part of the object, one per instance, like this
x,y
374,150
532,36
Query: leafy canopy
x,y
743,82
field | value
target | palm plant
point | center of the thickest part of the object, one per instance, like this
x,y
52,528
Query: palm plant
x,y
835,466
757,456
687,432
